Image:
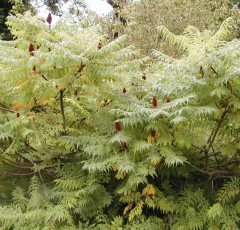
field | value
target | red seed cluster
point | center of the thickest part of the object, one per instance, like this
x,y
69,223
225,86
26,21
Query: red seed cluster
x,y
154,101
31,49
117,125
49,19
201,71
144,76
123,146
153,133
100,45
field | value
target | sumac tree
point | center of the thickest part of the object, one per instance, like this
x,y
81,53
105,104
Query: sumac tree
x,y
161,154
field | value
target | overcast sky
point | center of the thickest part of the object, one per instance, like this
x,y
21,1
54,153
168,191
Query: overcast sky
x,y
99,6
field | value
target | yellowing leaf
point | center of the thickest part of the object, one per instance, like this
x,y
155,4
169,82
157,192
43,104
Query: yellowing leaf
x,y
151,138
149,190
114,167
60,88
216,211
30,113
156,161
120,175
127,209
21,81
137,211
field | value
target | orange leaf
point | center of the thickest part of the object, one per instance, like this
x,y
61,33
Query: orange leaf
x,y
30,113
17,106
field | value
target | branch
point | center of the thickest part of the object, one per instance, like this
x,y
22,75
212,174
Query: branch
x,y
25,158
3,105
40,176
213,173
111,2
210,155
81,67
234,156
15,165
7,110
16,174
33,163
214,70
48,171
195,167
44,78
212,138
62,109
227,163
80,121
215,132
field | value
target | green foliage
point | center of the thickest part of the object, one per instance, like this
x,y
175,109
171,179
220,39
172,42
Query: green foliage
x,y
4,9
101,157
11,7
145,15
